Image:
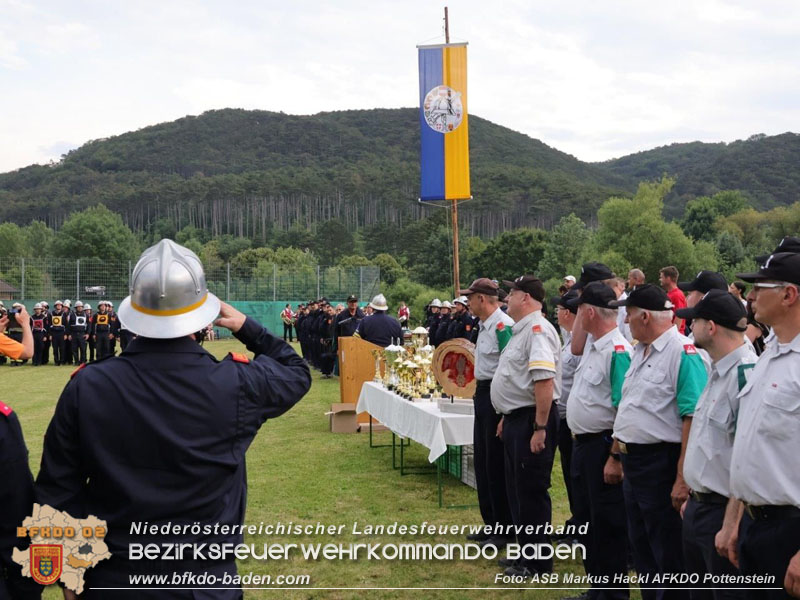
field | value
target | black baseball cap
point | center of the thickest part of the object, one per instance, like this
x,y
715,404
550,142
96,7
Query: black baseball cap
x,y
530,284
481,285
646,296
787,244
718,306
593,271
595,293
564,301
502,294
705,281
783,266
352,298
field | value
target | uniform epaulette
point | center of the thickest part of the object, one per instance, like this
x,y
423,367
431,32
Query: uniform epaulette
x,y
238,357
5,409
689,349
75,372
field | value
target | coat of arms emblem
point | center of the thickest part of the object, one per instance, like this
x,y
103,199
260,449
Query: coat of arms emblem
x,y
46,562
443,109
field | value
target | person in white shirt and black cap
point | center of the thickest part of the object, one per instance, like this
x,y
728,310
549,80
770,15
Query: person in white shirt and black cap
x,y
596,470
566,315
664,381
718,322
592,271
764,474
482,296
524,389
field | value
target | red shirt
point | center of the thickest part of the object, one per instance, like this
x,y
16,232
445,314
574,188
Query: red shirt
x,y
678,301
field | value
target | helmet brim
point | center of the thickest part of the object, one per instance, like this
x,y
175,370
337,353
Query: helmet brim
x,y
170,327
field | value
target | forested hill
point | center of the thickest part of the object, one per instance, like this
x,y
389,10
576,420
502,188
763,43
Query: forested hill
x,y
766,168
241,172
248,172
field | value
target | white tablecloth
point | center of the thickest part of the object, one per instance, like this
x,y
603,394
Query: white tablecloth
x,y
420,421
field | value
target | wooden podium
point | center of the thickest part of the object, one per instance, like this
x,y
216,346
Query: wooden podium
x,y
356,365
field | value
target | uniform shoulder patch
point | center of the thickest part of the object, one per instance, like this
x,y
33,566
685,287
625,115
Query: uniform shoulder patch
x,y
468,327
5,409
537,329
239,357
689,349
75,372
619,348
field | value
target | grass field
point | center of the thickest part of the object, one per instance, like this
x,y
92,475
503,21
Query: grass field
x,y
300,472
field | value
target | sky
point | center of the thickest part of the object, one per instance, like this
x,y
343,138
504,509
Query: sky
x,y
597,79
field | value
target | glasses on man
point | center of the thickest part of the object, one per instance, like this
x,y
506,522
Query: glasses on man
x,y
769,286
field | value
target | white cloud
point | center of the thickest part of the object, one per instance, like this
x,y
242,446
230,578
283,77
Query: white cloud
x,y
593,79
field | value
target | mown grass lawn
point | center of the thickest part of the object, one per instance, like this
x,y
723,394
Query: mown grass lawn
x,y
299,472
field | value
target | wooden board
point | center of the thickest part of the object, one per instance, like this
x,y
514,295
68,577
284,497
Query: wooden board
x,y
454,367
356,365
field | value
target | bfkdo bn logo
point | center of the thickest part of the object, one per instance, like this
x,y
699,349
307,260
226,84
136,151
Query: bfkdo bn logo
x,y
47,561
62,547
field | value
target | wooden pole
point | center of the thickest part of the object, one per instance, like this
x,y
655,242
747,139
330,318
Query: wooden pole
x,y
454,211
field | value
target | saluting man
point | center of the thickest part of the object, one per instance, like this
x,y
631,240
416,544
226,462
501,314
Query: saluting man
x,y
524,390
767,444
718,322
665,379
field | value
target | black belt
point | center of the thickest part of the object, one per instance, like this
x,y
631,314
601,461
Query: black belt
x,y
645,448
772,513
708,497
585,437
483,383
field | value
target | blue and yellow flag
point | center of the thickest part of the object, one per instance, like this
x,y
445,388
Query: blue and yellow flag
x,y
444,131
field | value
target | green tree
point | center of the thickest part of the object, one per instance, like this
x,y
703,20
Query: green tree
x,y
95,232
702,212
38,238
332,240
12,241
568,241
391,270
512,253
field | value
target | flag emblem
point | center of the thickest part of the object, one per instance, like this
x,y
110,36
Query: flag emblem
x,y
46,562
442,109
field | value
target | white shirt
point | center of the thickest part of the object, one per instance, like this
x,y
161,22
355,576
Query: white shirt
x,y
592,408
659,390
707,464
487,350
569,362
623,327
767,445
532,354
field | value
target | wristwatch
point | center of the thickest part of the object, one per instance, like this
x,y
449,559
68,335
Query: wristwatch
x,y
537,427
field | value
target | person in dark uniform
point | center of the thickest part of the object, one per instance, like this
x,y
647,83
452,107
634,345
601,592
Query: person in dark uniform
x,y
101,325
159,434
445,318
462,324
78,327
39,327
16,491
327,339
115,326
90,342
67,315
347,321
380,328
47,340
432,321
300,327
57,333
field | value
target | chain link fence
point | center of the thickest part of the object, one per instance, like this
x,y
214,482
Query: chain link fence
x,y
30,280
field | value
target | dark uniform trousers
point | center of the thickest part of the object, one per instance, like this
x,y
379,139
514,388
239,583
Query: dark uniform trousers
x,y
59,347
16,500
565,450
78,347
528,477
489,456
654,527
38,346
765,548
701,523
603,506
287,332
103,344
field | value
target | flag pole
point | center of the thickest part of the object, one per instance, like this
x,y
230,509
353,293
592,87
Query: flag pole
x,y
454,211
